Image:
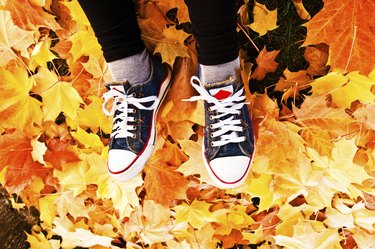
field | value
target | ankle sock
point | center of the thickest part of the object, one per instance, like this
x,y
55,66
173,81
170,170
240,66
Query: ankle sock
x,y
135,68
216,73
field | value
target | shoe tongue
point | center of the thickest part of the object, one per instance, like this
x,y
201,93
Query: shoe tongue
x,y
119,86
221,92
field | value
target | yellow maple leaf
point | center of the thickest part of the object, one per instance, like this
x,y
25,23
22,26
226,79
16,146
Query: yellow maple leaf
x,y
306,237
67,203
314,113
172,45
340,170
264,19
344,89
60,97
90,141
363,217
195,164
38,240
234,217
260,187
76,12
178,245
151,222
92,116
17,107
84,43
12,37
197,213
47,209
364,239
337,219
41,54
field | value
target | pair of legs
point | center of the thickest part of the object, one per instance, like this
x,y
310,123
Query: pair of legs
x,y
141,82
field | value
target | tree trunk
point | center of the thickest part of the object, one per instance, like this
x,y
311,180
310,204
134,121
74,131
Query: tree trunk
x,y
14,223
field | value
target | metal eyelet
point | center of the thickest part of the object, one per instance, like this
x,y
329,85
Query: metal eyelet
x,y
211,117
134,136
211,126
212,144
212,135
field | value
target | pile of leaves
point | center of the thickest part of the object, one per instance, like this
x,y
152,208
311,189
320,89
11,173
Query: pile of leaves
x,y
312,180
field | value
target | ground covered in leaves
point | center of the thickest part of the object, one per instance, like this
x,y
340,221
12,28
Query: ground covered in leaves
x,y
311,88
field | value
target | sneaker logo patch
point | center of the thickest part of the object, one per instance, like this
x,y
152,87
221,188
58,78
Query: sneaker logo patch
x,y
222,93
118,89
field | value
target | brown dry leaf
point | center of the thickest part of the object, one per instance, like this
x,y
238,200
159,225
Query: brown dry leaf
x,y
349,41
317,56
301,11
162,182
233,239
152,23
266,63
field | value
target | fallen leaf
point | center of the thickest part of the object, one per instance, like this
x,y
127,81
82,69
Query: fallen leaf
x,y
349,42
317,56
197,214
301,10
172,45
60,97
344,89
305,237
29,16
16,154
12,37
318,139
162,182
39,150
265,63
264,19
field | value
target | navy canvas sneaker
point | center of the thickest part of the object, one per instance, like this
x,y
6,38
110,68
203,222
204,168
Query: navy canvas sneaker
x,y
134,112
228,144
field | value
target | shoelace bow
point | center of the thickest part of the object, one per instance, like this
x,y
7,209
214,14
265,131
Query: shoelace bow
x,y
226,129
121,127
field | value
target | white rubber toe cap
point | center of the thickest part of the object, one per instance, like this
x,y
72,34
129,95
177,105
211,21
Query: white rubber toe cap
x,y
120,164
229,172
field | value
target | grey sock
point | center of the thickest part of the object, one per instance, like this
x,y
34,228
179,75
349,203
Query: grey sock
x,y
220,72
135,68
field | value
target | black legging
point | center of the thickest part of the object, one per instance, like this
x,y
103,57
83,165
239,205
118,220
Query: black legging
x,y
214,28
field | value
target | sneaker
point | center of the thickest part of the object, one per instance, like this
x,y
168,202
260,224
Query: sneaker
x,y
134,112
228,143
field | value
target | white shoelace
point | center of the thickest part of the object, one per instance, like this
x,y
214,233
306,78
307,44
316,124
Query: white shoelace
x,y
224,107
121,128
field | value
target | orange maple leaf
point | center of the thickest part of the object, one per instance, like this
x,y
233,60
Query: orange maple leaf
x,y
59,153
28,16
162,182
266,63
347,27
16,154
